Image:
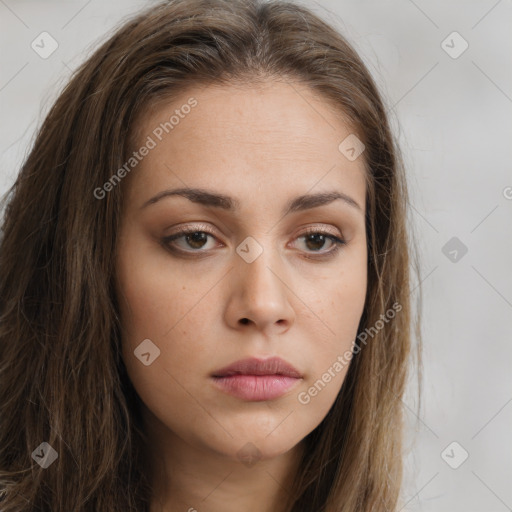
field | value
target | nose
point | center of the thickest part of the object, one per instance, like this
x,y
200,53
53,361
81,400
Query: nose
x,y
260,294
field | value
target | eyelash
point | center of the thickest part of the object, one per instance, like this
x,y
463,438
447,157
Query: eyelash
x,y
338,242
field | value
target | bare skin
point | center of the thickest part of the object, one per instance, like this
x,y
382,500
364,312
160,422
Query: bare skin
x,y
262,146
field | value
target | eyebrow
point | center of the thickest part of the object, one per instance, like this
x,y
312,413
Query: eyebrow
x,y
215,200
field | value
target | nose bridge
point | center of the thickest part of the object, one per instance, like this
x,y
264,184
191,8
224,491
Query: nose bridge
x,y
257,256
260,286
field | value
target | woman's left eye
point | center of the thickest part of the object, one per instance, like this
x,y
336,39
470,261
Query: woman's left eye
x,y
317,239
197,239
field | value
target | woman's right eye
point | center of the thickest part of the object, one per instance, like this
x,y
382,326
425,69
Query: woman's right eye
x,y
193,238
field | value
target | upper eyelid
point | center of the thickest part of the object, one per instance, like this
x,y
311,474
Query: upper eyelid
x,y
206,228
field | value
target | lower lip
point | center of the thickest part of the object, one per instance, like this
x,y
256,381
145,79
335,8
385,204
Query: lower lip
x,y
255,387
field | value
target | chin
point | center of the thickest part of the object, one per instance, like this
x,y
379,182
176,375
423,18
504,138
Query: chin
x,y
254,446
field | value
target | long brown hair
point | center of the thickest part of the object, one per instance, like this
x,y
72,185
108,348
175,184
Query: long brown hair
x,y
62,379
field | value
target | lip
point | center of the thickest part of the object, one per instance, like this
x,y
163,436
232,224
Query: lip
x,y
257,379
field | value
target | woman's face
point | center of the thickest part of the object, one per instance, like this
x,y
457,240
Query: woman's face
x,y
258,279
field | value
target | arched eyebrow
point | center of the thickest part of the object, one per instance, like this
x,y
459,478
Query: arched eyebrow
x,y
212,199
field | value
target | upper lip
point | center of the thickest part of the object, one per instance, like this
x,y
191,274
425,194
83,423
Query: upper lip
x,y
254,366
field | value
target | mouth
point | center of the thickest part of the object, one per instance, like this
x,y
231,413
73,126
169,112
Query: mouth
x,y
257,380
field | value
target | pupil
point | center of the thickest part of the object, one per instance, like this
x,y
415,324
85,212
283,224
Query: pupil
x,y
318,238
195,236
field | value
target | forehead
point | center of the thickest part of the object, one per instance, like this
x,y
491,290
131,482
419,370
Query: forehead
x,y
244,137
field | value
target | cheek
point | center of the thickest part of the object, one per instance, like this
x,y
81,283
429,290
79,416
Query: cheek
x,y
162,306
156,297
159,304
338,300
338,309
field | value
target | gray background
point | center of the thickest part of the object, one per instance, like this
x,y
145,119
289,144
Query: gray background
x,y
454,120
